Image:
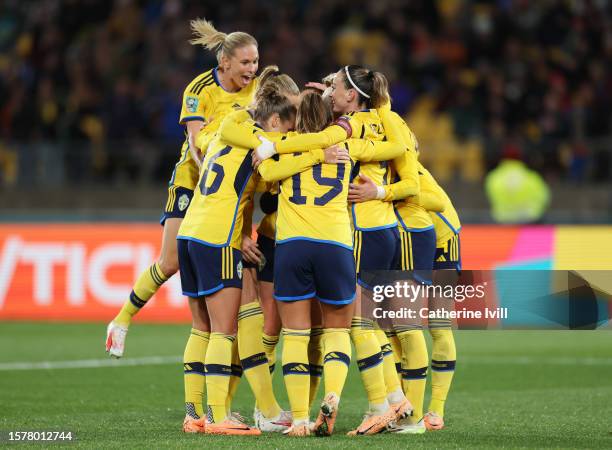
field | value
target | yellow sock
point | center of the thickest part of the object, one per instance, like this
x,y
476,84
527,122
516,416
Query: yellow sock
x,y
369,360
337,358
269,343
194,377
253,358
443,359
296,371
392,380
414,367
147,284
234,377
315,359
396,346
218,371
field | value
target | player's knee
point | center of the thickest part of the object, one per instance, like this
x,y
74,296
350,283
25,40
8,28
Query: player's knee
x,y
169,265
200,325
272,324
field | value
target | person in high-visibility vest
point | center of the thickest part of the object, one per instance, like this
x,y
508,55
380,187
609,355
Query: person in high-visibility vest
x,y
517,194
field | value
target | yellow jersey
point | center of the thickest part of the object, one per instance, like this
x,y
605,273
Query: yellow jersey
x,y
238,128
446,223
312,203
366,124
216,213
205,99
414,212
267,225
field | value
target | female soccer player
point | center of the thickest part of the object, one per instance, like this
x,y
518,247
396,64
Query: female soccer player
x,y
430,240
209,242
208,97
312,223
258,321
376,238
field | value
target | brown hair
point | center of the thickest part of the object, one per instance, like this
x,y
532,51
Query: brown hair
x,y
282,82
314,113
223,44
270,100
372,83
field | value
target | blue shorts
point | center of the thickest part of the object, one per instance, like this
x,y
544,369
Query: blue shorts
x,y
448,256
205,269
375,250
265,272
418,249
305,269
178,201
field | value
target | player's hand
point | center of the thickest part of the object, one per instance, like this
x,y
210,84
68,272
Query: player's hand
x,y
363,191
250,250
318,86
336,154
264,151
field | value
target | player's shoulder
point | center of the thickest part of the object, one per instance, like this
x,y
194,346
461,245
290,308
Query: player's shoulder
x,y
202,82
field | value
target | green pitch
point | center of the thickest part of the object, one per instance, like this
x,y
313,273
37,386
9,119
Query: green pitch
x,y
511,389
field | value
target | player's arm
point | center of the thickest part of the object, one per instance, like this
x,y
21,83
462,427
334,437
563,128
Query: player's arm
x,y
193,118
343,128
431,200
431,196
204,137
367,150
306,142
250,250
408,185
288,165
406,164
237,131
193,129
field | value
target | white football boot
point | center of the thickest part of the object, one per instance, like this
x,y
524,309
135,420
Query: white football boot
x,y
115,339
276,424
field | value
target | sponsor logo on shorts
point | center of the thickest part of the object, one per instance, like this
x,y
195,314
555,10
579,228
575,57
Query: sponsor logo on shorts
x,y
183,202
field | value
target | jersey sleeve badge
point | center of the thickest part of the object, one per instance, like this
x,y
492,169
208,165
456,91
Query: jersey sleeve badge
x,y
191,103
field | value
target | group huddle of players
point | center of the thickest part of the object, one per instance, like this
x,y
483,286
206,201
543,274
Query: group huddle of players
x,y
343,193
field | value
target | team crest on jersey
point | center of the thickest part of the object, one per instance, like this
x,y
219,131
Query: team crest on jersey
x,y
239,269
191,103
183,202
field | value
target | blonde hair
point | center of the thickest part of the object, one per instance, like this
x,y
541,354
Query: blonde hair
x,y
270,101
272,76
314,113
373,84
329,79
223,44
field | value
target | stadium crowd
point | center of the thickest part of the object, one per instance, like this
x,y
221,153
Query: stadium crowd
x,y
91,89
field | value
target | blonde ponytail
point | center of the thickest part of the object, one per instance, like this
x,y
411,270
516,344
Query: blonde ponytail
x,y
206,35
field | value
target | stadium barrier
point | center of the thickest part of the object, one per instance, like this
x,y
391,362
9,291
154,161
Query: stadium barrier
x,y
85,272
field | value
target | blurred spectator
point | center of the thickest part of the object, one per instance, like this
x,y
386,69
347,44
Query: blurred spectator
x,y
517,194
90,89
